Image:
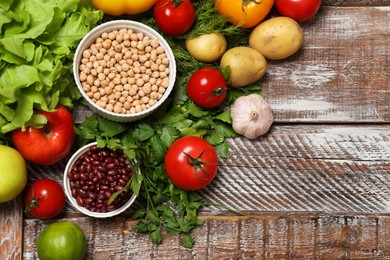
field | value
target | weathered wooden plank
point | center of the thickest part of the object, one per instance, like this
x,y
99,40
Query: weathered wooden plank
x,y
11,229
355,2
267,236
342,72
307,168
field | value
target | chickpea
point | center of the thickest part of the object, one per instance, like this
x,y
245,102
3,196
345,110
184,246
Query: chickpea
x,y
154,95
154,43
90,79
83,76
163,75
96,83
111,36
109,107
127,105
86,87
87,53
124,71
138,108
119,38
99,56
118,88
132,110
145,99
96,95
165,82
117,95
118,48
122,99
108,90
143,58
160,50
94,72
133,91
140,82
152,102
104,35
118,108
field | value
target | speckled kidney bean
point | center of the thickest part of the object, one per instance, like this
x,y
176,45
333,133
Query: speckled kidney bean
x,y
96,175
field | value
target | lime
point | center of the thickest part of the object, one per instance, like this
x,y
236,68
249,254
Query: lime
x,y
62,241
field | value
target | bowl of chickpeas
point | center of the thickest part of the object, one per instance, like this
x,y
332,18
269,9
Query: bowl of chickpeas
x,y
124,70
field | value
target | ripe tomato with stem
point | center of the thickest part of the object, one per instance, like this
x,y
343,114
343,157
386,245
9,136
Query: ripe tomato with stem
x,y
44,199
207,87
191,163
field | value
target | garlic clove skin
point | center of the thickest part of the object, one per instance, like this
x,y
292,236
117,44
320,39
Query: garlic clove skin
x,y
251,116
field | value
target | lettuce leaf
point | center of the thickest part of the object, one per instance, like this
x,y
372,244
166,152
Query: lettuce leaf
x,y
37,43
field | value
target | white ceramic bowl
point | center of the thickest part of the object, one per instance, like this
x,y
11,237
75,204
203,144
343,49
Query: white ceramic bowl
x,y
117,25
72,200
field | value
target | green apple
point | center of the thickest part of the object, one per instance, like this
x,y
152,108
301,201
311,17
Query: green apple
x,y
13,173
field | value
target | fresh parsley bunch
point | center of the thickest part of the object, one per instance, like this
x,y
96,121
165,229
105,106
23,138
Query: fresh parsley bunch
x,y
164,206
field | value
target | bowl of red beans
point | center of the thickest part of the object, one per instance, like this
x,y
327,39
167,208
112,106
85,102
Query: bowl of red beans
x,y
124,70
96,181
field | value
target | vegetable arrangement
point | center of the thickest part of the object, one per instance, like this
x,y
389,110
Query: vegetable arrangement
x,y
217,92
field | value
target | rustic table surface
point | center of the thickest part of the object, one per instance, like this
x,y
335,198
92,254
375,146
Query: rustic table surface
x,y
317,186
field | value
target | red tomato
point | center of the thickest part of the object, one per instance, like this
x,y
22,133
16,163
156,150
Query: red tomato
x,y
44,199
299,10
174,17
49,144
191,163
207,87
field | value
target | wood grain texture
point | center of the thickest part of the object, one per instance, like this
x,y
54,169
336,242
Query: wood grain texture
x,y
355,3
266,236
307,168
11,229
342,72
313,190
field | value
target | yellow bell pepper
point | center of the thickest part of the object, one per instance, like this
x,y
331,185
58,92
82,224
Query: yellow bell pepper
x,y
122,7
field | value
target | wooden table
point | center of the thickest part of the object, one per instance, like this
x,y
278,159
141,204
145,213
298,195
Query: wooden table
x,y
316,187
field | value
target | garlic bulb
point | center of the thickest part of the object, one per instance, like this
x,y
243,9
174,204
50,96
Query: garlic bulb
x,y
251,116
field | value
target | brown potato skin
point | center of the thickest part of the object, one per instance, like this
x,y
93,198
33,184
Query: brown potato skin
x,y
277,38
247,65
207,47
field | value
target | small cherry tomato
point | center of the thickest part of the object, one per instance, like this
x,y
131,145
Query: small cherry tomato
x,y
247,13
299,10
44,199
207,87
174,17
191,163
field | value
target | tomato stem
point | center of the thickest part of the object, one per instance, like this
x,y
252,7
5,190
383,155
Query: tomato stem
x,y
176,3
197,163
218,91
245,2
34,202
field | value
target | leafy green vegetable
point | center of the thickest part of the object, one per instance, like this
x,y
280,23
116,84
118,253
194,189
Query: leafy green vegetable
x,y
37,43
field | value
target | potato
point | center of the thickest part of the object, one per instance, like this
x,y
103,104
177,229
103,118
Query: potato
x,y
247,65
207,47
277,38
